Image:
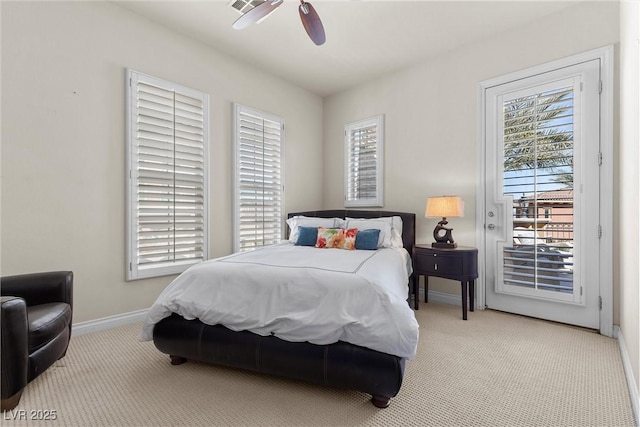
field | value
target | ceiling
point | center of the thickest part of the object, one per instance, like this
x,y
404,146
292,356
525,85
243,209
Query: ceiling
x,y
365,38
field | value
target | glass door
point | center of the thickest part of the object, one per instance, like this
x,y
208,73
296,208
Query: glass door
x,y
542,195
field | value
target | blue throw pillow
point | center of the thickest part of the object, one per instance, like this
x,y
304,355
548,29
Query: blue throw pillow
x,y
367,239
307,236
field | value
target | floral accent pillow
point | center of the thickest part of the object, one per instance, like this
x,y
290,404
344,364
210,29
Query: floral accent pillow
x,y
337,238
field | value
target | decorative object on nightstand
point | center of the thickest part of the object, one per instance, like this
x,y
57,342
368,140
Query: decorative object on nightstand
x,y
459,264
443,207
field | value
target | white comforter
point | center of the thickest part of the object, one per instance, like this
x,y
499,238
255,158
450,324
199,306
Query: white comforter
x,y
300,294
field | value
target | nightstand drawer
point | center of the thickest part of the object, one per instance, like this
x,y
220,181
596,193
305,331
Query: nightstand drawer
x,y
438,264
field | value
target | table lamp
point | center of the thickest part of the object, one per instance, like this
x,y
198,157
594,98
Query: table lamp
x,y
444,206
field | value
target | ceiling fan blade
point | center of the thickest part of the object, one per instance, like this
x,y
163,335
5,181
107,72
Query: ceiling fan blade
x,y
311,22
256,14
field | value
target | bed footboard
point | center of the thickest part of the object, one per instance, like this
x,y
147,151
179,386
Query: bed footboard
x,y
341,365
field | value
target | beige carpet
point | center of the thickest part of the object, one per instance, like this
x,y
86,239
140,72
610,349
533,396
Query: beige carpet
x,y
494,369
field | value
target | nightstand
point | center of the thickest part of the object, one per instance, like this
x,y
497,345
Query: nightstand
x,y
459,264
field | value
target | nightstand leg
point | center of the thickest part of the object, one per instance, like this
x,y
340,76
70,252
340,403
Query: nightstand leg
x,y
426,288
464,300
472,290
416,291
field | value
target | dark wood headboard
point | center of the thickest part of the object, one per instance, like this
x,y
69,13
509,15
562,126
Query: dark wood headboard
x,y
408,221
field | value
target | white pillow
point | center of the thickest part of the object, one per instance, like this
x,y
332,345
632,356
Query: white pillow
x,y
307,221
395,222
396,232
384,239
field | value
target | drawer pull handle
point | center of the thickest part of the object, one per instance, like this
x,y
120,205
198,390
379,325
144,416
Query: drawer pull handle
x,y
436,267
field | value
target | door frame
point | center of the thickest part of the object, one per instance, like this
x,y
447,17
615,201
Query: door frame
x,y
605,55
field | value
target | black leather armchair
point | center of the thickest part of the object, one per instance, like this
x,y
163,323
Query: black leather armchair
x,y
36,328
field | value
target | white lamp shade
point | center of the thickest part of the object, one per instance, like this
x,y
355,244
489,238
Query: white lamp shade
x,y
444,207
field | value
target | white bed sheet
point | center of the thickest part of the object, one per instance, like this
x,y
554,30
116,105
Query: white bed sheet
x,y
300,294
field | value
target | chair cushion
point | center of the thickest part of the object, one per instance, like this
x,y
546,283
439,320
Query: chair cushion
x,y
46,321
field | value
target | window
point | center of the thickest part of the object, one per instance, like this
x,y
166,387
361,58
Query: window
x,y
259,191
167,151
363,142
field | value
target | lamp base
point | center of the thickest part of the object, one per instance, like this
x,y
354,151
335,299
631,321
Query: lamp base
x,y
444,245
442,236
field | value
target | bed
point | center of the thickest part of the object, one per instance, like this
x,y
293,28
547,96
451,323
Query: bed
x,y
342,358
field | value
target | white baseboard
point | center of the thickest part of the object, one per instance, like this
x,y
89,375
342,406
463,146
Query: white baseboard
x,y
628,372
109,322
442,297
445,298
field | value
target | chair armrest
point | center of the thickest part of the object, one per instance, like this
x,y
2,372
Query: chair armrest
x,y
40,288
15,357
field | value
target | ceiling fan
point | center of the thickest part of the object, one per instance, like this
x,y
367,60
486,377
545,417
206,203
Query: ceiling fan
x,y
308,15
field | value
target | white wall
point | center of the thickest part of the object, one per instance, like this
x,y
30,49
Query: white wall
x,y
629,181
63,140
430,114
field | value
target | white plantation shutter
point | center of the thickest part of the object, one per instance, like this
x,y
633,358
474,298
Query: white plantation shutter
x,y
167,173
259,181
538,174
364,163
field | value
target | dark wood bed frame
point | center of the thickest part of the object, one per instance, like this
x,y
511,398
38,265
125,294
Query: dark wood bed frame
x,y
340,365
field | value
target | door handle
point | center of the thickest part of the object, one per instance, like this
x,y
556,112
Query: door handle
x,y
491,227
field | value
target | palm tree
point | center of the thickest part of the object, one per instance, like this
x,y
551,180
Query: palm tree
x,y
538,134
